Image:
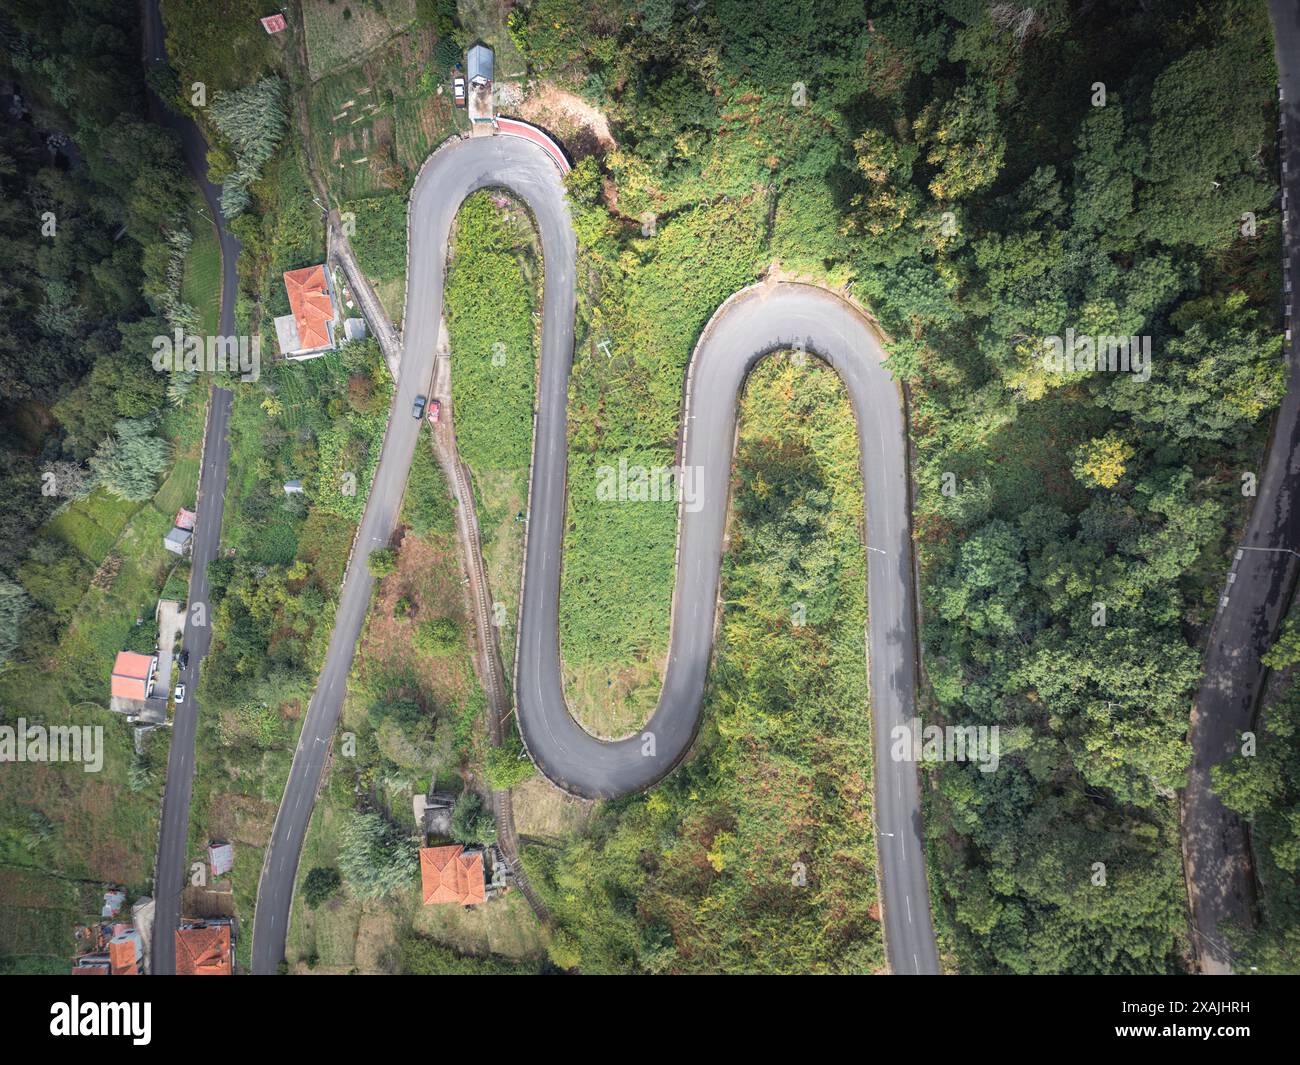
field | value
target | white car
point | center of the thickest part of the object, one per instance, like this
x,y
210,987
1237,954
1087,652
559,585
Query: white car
x,y
180,694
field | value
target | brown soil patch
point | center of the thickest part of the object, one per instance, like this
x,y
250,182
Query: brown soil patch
x,y
583,129
543,811
240,819
430,578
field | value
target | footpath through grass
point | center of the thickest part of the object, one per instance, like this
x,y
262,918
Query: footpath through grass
x,y
491,296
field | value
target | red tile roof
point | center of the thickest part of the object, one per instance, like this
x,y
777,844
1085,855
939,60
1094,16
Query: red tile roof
x,y
185,519
121,956
203,951
448,874
313,310
131,675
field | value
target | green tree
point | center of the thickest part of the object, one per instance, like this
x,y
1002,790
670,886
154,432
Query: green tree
x,y
320,885
129,463
470,823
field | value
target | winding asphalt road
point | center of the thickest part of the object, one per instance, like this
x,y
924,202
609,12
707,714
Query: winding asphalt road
x,y
752,323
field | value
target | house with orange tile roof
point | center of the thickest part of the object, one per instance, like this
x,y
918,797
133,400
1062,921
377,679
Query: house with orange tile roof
x,y
133,675
134,689
452,874
309,327
204,949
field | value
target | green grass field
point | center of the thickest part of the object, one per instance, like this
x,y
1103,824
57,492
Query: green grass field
x,y
339,33
92,525
38,913
374,123
201,285
379,242
490,300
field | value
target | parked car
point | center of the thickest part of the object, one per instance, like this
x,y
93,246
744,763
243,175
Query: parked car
x,y
185,659
458,90
417,408
435,408
180,694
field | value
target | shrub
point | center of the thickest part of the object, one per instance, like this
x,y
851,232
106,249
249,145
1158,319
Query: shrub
x,y
382,562
437,636
508,766
470,823
322,884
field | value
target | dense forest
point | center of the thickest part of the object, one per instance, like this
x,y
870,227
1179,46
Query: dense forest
x,y
984,177
93,222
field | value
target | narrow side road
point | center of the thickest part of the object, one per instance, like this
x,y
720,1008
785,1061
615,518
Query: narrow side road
x,y
1216,856
173,834
170,873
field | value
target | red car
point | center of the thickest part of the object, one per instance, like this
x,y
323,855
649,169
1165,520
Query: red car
x,y
435,408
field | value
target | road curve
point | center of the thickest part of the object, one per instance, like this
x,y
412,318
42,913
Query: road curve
x,y
752,323
447,178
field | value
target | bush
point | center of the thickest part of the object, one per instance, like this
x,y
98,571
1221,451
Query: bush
x,y
508,766
563,950
470,823
382,563
141,639
322,884
437,636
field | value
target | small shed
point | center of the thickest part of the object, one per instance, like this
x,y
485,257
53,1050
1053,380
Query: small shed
x,y
177,540
221,857
354,329
478,65
185,519
292,488
437,814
